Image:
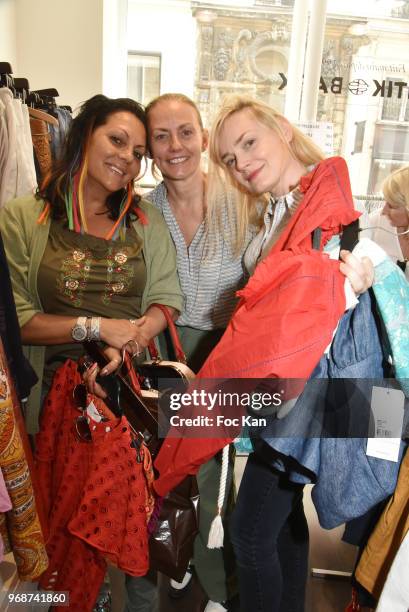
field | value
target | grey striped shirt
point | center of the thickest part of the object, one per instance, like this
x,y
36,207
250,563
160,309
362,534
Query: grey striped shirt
x,y
278,213
208,284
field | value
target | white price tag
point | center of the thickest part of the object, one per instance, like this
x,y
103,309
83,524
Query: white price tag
x,y
387,407
93,413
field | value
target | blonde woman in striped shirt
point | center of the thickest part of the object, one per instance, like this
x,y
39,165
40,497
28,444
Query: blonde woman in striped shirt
x,y
176,140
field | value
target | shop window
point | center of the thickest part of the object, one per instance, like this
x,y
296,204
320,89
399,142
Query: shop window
x,y
245,47
143,76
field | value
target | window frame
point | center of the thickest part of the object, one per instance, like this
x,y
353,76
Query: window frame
x,y
153,54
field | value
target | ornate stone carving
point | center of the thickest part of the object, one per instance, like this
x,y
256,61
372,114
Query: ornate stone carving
x,y
280,32
262,42
329,58
206,55
222,54
240,51
350,43
240,65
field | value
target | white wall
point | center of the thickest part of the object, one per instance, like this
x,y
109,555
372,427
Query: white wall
x,y
8,42
59,44
166,27
115,53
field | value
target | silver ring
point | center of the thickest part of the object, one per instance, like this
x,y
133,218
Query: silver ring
x,y
136,352
133,321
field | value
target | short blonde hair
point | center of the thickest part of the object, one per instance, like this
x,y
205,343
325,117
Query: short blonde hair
x,y
396,187
247,212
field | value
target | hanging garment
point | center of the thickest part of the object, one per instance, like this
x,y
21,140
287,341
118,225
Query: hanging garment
x,y
28,146
326,430
4,141
94,495
383,544
17,172
40,123
391,289
8,182
395,594
23,375
23,533
59,133
26,178
296,292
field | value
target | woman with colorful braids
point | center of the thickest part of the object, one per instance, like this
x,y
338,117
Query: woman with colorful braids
x,y
88,260
87,256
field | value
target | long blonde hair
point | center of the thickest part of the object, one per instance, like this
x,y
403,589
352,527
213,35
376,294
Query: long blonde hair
x,y
244,209
396,187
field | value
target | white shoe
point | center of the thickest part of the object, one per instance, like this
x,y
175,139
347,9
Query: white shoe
x,y
178,589
215,606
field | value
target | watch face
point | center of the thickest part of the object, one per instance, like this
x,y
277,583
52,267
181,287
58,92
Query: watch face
x,y
79,332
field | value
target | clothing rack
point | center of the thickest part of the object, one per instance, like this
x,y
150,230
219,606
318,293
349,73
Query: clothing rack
x,y
37,98
47,125
369,198
370,202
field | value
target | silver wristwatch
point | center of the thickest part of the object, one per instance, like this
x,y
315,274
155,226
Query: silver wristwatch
x,y
79,331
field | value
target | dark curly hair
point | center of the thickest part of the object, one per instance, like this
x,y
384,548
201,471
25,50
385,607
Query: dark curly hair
x,y
93,113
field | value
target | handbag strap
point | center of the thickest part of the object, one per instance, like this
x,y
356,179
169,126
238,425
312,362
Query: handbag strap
x,y
177,347
130,371
153,351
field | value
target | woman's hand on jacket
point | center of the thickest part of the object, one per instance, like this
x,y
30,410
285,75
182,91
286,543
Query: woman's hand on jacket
x,y
360,272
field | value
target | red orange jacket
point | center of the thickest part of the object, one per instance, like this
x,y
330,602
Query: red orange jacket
x,y
288,311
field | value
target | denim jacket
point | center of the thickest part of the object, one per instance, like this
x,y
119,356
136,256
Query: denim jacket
x,y
334,405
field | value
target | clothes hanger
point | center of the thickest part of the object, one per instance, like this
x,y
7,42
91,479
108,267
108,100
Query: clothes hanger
x,y
37,113
6,78
47,97
51,92
22,88
6,72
